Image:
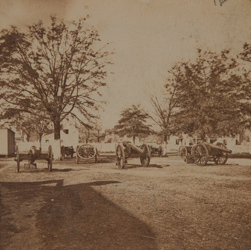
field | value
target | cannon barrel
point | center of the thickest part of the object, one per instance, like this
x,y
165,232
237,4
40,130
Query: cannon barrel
x,y
130,145
225,150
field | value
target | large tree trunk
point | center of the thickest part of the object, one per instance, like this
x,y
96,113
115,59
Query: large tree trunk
x,y
40,142
57,143
57,128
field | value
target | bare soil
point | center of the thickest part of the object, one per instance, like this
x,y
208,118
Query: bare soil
x,y
168,205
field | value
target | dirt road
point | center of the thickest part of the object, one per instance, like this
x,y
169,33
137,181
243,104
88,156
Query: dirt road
x,y
169,205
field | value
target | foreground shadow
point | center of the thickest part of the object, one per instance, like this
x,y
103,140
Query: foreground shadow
x,y
129,166
45,170
54,216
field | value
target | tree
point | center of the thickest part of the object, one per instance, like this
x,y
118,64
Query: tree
x,y
27,124
85,134
98,134
245,88
166,106
133,123
56,70
41,127
207,94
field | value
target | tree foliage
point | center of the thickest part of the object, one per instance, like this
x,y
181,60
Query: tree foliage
x,y
133,123
27,124
245,89
164,110
56,70
208,95
91,134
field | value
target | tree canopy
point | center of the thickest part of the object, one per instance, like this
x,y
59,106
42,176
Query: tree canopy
x,y
245,88
133,123
208,95
56,70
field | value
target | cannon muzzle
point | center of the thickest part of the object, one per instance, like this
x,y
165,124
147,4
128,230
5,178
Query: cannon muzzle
x,y
225,150
130,145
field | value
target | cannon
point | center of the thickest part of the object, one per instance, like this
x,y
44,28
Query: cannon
x,y
32,155
202,153
127,150
86,152
185,152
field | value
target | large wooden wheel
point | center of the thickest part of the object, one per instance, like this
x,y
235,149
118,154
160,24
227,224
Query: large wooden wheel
x,y
183,153
146,156
96,156
221,157
50,158
120,154
17,159
200,154
86,152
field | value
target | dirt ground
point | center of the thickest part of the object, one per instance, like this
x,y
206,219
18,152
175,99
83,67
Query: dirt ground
x,y
168,205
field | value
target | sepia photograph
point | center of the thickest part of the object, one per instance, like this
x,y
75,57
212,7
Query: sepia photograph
x,y
125,124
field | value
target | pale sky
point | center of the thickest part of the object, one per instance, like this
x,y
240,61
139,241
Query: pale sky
x,y
148,36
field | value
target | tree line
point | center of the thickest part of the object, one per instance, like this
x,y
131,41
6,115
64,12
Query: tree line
x,y
55,72
206,97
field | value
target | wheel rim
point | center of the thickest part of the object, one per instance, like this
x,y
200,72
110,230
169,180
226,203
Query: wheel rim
x,y
145,158
183,153
86,151
200,154
96,156
18,159
222,157
120,156
50,158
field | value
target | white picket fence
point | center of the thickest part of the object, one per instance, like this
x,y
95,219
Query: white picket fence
x,y
110,147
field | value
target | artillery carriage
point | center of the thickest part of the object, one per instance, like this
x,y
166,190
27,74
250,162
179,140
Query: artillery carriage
x,y
202,153
67,151
128,150
86,152
32,155
156,150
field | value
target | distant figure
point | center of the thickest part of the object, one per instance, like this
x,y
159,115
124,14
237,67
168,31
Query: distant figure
x,y
32,155
160,151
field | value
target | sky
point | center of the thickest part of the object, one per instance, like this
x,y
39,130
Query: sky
x,y
148,37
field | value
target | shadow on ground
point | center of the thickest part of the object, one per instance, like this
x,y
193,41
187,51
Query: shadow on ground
x,y
140,166
42,169
102,158
48,215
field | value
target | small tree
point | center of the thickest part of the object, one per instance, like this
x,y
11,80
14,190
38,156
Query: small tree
x,y
133,123
166,105
98,134
84,133
27,124
41,127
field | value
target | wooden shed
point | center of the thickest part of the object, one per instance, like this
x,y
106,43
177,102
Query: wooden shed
x,y
7,142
